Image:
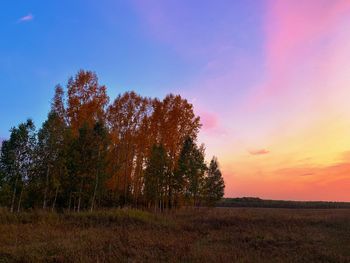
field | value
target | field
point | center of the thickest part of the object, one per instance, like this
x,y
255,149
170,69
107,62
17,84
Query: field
x,y
187,235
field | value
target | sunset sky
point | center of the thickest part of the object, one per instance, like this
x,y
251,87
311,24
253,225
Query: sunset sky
x,y
270,79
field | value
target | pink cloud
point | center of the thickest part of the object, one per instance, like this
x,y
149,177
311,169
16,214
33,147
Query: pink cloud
x,y
295,33
211,123
259,152
209,120
26,18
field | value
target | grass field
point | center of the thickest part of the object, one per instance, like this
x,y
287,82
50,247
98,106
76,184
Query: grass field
x,y
193,235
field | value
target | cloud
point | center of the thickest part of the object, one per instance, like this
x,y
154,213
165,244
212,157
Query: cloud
x,y
209,120
321,175
211,124
296,34
26,18
306,174
259,152
314,183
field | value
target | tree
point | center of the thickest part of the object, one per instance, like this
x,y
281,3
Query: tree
x,y
86,101
81,165
127,119
99,159
214,183
86,104
155,177
87,153
6,168
173,120
17,160
87,166
51,156
190,171
57,104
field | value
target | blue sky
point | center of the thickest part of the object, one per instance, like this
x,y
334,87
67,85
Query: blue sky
x,y
269,78
45,43
65,36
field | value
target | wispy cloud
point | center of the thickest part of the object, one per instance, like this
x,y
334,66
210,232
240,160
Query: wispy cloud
x,y
295,35
209,120
306,174
26,18
259,152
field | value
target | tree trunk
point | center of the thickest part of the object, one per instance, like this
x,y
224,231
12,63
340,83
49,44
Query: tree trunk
x,y
94,195
170,194
70,201
74,204
126,174
14,195
96,182
54,201
80,193
20,200
46,187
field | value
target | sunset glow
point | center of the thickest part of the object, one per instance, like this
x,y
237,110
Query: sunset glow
x,y
269,79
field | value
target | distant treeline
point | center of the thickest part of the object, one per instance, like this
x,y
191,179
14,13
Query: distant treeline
x,y
257,202
90,153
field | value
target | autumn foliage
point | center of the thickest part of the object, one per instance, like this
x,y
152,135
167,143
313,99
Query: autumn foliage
x,y
92,152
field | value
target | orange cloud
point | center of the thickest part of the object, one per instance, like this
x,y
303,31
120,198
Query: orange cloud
x,y
328,183
259,152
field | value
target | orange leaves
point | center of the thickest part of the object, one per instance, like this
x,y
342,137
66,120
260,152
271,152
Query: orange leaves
x,y
137,123
86,100
134,125
126,118
176,121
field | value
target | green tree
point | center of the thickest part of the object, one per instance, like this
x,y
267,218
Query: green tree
x,y
51,157
88,162
214,186
190,171
80,165
155,177
6,168
17,160
99,159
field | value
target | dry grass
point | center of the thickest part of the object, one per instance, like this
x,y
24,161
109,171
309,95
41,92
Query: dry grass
x,y
194,235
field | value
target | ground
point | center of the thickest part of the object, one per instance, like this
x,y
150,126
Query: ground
x,y
187,235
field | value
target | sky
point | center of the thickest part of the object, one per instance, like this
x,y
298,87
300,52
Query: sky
x,y
269,79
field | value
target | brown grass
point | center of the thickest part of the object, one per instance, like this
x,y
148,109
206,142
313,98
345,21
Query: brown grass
x,y
193,235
